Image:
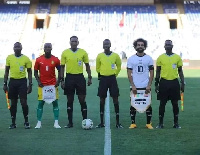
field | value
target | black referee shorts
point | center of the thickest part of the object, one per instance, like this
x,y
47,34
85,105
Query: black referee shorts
x,y
108,82
169,90
75,82
17,88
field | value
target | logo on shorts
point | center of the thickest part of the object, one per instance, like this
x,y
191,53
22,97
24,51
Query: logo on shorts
x,y
50,90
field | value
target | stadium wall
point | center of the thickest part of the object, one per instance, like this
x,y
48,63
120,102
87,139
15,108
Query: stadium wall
x,y
113,2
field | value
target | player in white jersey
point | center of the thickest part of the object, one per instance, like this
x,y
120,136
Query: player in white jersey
x,y
140,72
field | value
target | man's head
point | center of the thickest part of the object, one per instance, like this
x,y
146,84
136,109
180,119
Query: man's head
x,y
168,45
17,49
74,42
140,45
47,49
106,45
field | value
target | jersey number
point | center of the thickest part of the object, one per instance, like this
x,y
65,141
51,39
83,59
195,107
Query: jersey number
x,y
140,69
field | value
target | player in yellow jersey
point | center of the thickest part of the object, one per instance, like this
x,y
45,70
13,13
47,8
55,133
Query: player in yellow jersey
x,y
168,67
74,58
108,66
16,65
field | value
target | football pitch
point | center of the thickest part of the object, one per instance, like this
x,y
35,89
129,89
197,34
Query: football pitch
x,y
76,141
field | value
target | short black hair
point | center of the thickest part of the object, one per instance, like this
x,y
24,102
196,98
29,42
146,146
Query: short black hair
x,y
17,43
106,40
168,40
47,44
140,40
73,37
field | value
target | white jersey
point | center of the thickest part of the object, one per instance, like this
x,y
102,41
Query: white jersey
x,y
140,69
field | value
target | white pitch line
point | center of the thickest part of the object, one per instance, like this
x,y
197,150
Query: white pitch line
x,y
107,145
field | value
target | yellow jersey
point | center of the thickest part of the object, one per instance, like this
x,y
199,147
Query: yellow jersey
x,y
74,60
108,65
169,65
18,65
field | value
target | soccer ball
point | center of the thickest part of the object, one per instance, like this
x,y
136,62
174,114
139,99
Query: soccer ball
x,y
87,124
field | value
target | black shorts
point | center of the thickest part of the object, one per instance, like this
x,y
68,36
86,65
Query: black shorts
x,y
108,82
169,90
75,82
17,88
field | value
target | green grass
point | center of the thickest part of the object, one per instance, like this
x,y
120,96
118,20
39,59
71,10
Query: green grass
x,y
124,141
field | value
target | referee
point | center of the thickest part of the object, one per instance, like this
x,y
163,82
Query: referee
x,y
73,58
167,86
17,64
108,66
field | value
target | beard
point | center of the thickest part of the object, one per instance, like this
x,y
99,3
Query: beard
x,y
18,52
48,54
140,50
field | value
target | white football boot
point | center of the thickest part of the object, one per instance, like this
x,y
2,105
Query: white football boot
x,y
56,125
38,125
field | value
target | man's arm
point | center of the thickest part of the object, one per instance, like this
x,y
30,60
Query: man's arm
x,y
180,72
5,87
88,70
98,65
37,78
157,78
151,72
129,73
29,70
59,77
118,64
62,70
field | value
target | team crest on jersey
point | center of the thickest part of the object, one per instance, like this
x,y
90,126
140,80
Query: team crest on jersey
x,y
52,62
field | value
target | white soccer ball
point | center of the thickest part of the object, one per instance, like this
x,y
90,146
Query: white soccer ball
x,y
87,124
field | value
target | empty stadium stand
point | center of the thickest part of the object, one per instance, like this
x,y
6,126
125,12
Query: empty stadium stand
x,y
93,23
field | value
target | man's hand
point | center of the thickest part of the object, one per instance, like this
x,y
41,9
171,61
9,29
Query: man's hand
x,y
157,89
182,87
63,85
40,84
57,84
29,89
99,76
89,81
134,90
5,88
148,89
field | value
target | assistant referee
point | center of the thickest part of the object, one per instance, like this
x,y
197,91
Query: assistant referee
x,y
17,64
